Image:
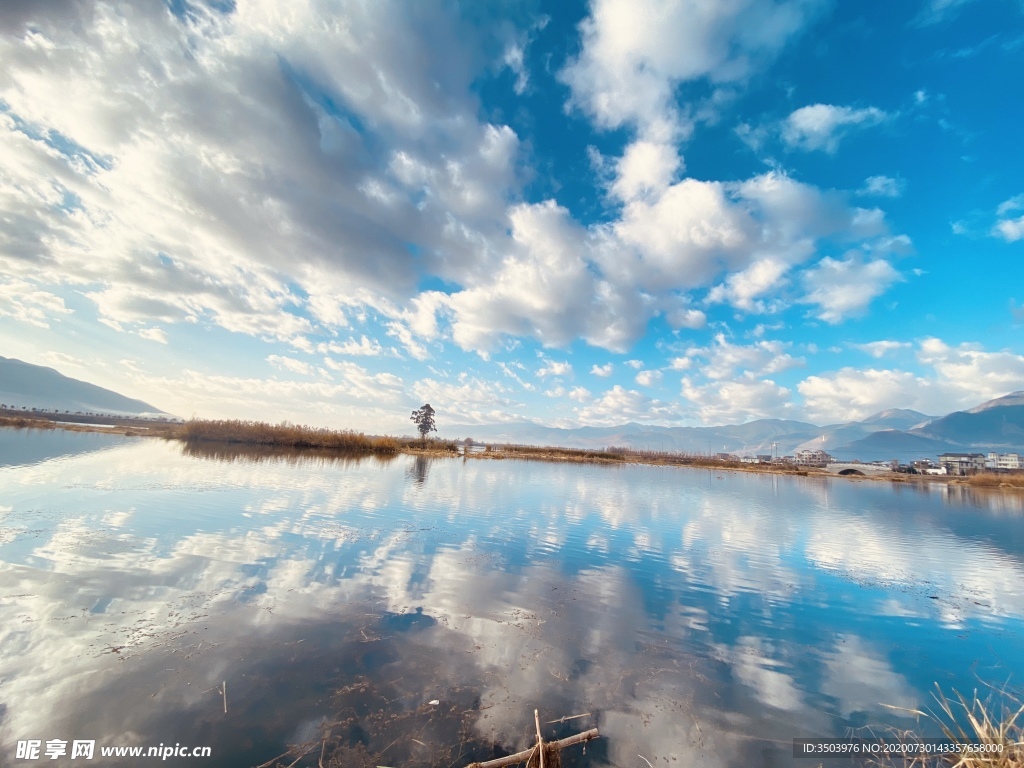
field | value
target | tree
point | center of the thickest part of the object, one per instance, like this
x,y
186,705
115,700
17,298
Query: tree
x,y
424,420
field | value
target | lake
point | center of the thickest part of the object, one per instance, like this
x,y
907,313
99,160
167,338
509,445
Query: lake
x,y
696,617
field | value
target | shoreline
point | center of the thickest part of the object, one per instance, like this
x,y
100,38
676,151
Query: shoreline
x,y
451,450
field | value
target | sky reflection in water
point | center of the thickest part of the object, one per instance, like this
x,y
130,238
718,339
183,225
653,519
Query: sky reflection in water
x,y
702,616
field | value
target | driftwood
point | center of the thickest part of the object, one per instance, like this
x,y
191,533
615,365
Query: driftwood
x,y
519,757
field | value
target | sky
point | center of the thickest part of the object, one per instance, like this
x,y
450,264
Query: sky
x,y
676,212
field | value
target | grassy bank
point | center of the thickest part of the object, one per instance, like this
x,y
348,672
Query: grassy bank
x,y
616,455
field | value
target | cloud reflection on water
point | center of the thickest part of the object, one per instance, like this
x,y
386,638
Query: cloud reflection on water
x,y
700,618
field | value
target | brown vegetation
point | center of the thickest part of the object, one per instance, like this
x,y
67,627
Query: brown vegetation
x,y
19,422
285,435
986,738
996,480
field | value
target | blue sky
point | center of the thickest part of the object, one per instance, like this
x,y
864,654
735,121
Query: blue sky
x,y
683,213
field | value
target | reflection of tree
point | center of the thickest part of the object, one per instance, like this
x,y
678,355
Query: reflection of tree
x,y
417,469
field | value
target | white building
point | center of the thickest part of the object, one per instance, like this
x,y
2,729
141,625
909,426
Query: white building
x,y
1008,461
816,458
1002,461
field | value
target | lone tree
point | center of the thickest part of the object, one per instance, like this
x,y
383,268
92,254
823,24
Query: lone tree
x,y
424,420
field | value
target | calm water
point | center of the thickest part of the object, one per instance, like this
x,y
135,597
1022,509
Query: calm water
x,y
702,618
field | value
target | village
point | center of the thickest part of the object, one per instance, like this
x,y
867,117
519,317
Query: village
x,y
959,464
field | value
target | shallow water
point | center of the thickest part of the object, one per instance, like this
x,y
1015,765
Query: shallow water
x,y
700,617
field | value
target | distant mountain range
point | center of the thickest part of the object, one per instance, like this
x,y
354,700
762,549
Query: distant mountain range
x,y
902,434
23,385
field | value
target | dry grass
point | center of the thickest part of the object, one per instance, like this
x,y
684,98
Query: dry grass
x,y
997,480
19,422
285,435
986,738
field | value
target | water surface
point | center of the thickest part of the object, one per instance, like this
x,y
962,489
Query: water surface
x,y
701,617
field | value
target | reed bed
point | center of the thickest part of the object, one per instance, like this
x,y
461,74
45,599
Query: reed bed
x,y
285,435
987,737
996,480
19,422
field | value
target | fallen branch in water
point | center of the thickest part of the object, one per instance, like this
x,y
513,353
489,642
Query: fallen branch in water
x,y
519,757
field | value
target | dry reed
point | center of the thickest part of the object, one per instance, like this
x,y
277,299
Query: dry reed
x,y
289,435
995,479
984,738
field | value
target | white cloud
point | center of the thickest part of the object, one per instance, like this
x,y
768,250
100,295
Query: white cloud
x,y
851,394
634,54
1010,229
636,365
290,364
26,302
645,169
648,378
618,406
882,186
555,368
363,347
580,394
970,373
153,334
725,360
879,349
742,289
603,371
844,288
244,215
738,400
822,126
680,363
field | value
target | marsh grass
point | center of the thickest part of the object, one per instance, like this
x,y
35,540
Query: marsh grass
x,y
996,480
285,435
19,422
967,722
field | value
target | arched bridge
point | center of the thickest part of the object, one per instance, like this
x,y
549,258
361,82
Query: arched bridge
x,y
846,468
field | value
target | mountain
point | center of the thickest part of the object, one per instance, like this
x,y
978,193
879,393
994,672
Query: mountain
x,y
893,444
897,418
995,426
24,385
896,433
1014,398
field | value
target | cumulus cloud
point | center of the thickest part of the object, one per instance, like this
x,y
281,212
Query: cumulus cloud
x,y
955,377
634,54
822,126
304,185
648,378
845,287
851,393
738,400
603,371
742,289
725,360
618,406
970,372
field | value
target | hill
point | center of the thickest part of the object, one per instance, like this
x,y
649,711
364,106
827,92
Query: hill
x,y
24,385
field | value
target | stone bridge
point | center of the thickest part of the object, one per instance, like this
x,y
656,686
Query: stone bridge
x,y
846,468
